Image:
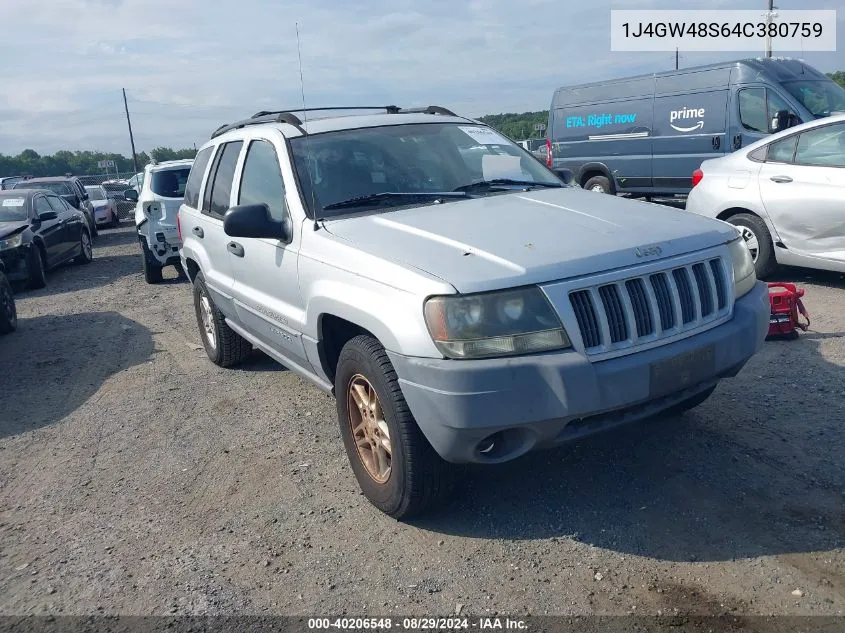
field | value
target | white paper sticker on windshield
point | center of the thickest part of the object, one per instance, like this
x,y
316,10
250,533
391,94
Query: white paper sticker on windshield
x,y
495,166
13,202
484,135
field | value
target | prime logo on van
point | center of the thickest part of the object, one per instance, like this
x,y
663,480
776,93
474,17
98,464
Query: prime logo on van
x,y
599,121
685,114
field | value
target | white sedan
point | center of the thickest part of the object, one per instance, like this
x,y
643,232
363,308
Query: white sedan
x,y
786,194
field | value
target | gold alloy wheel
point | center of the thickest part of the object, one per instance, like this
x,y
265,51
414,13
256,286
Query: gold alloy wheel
x,y
369,429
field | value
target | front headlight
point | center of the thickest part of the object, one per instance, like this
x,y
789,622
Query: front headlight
x,y
505,323
743,265
11,242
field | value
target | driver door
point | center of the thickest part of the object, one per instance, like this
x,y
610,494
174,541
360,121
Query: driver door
x,y
266,287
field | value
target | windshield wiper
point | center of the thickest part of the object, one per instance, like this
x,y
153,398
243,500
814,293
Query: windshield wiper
x,y
504,182
377,198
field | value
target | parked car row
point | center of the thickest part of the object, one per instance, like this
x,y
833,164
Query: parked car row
x,y
435,277
707,132
40,230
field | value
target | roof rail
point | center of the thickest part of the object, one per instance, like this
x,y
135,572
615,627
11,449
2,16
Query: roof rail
x,y
287,116
432,109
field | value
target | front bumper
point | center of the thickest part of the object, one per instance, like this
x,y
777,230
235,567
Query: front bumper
x,y
547,399
15,260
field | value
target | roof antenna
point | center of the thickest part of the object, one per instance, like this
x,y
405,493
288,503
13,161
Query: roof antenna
x,y
305,120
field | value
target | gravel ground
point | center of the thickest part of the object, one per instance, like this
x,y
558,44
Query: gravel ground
x,y
138,478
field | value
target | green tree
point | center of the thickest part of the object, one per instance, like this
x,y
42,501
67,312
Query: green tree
x,y
517,126
838,77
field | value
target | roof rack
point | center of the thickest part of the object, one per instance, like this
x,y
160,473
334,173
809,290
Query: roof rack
x,y
287,116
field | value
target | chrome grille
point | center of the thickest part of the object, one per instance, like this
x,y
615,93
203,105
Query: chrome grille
x,y
651,307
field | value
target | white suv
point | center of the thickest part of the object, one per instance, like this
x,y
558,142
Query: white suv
x,y
461,302
162,191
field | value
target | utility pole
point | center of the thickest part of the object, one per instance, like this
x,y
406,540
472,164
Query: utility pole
x,y
677,59
131,138
771,14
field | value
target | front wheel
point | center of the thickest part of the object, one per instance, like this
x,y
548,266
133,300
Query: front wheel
x,y
759,242
8,311
396,468
115,221
35,268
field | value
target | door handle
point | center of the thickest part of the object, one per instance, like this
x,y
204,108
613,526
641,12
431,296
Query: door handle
x,y
780,179
236,249
737,141
197,230
717,142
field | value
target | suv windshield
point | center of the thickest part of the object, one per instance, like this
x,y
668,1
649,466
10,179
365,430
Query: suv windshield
x,y
169,183
60,188
409,164
821,98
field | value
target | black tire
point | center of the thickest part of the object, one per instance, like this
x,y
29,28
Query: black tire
x,y
86,248
224,346
418,478
152,269
94,231
8,310
35,268
764,259
115,221
601,183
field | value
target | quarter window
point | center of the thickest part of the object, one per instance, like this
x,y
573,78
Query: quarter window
x,y
782,151
218,194
262,179
192,187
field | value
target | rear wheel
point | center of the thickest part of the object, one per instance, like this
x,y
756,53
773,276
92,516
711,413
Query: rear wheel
x,y
152,269
397,469
8,311
35,268
759,242
86,252
599,184
224,346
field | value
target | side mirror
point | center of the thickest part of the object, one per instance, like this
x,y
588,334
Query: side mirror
x,y
253,220
565,175
47,215
783,120
131,195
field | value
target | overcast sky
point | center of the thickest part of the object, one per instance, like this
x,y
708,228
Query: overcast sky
x,y
190,65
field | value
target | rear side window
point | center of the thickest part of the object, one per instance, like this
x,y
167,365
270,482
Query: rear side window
x,y
822,147
261,181
782,150
192,187
217,195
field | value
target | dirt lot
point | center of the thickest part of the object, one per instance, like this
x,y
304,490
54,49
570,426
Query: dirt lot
x,y
138,478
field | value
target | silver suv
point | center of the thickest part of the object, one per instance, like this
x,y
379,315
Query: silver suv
x,y
461,303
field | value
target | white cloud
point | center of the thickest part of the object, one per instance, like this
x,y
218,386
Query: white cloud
x,y
189,66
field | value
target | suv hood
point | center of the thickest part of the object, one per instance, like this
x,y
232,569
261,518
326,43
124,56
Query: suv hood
x,y
521,238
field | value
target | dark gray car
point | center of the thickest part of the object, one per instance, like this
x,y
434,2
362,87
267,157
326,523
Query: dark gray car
x,y
70,188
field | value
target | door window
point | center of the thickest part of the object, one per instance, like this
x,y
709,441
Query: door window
x,y
261,181
59,205
41,205
752,110
824,146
